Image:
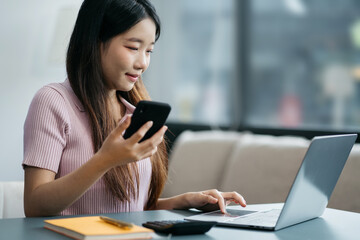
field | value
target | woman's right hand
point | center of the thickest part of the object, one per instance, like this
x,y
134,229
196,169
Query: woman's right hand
x,y
117,151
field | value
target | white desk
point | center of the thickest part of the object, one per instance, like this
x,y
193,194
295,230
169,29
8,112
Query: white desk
x,y
333,225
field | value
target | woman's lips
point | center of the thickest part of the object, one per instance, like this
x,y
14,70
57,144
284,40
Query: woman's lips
x,y
132,77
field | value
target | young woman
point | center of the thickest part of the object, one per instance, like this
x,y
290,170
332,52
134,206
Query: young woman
x,y
75,158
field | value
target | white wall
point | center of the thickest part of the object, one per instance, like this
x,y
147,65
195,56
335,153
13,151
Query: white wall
x,y
33,40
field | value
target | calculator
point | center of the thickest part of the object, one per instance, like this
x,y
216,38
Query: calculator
x,y
179,227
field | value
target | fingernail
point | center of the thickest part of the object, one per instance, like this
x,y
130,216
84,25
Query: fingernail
x,y
150,123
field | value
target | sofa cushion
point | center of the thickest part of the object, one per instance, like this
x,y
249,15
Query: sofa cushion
x,y
346,195
197,161
262,168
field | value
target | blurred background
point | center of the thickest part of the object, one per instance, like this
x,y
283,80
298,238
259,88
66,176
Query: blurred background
x,y
289,66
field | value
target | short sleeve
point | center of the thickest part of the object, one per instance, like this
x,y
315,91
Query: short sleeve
x,y
45,130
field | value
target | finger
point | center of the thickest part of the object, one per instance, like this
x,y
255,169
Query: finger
x,y
210,199
158,137
234,196
139,134
149,146
220,199
149,153
123,125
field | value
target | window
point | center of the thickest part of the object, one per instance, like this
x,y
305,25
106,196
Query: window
x,y
300,62
193,65
304,64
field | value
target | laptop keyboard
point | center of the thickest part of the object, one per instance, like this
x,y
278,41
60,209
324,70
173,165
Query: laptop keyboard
x,y
267,218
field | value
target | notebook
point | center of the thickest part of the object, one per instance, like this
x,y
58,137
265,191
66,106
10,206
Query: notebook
x,y
309,194
95,228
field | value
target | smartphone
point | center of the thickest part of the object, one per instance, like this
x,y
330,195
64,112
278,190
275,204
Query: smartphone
x,y
148,111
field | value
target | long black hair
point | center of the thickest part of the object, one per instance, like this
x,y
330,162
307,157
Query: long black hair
x,y
98,22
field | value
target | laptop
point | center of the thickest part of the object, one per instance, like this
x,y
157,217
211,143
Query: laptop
x,y
309,194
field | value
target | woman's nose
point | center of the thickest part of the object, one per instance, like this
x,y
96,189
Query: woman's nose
x,y
142,61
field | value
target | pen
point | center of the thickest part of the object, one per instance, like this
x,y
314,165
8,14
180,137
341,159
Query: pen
x,y
116,222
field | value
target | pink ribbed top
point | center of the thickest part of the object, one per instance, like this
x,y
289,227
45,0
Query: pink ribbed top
x,y
57,137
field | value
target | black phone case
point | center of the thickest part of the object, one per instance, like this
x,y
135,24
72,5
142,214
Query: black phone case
x,y
148,111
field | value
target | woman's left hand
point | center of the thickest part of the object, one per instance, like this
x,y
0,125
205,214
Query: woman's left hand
x,y
211,200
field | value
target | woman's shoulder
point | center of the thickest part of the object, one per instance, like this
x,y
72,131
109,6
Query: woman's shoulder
x,y
52,90
51,97
49,92
55,94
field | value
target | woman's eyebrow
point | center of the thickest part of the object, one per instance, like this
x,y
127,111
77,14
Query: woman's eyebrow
x,y
138,40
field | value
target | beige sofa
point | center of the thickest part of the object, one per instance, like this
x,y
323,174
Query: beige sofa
x,y
11,199
260,167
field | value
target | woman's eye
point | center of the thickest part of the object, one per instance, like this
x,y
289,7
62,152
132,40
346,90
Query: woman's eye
x,y
150,51
133,48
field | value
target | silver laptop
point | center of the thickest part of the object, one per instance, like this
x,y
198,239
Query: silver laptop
x,y
309,194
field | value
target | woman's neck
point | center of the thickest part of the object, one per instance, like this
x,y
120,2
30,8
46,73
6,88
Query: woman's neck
x,y
116,106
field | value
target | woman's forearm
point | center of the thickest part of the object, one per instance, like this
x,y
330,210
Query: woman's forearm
x,y
176,202
45,196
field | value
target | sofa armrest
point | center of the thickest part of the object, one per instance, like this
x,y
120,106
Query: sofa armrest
x,y
11,199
